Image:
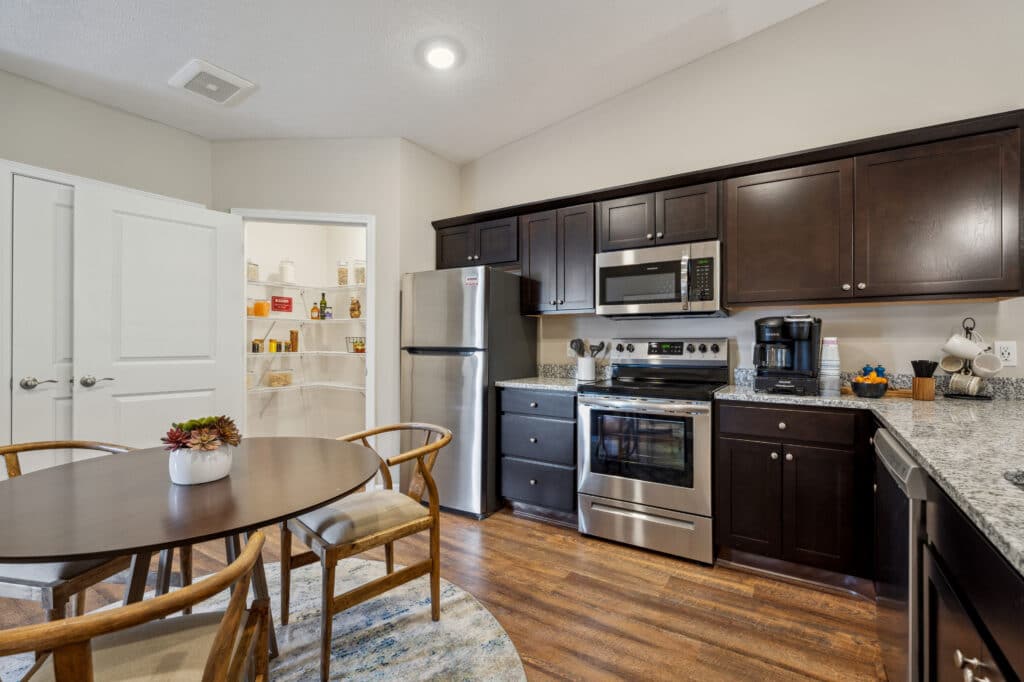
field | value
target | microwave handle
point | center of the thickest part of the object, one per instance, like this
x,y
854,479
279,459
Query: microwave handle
x,y
684,279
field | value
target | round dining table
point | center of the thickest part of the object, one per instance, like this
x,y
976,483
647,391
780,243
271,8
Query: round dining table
x,y
125,504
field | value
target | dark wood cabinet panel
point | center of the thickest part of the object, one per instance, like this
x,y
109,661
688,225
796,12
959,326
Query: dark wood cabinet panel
x,y
543,485
748,496
539,403
576,258
497,242
687,214
836,427
789,234
539,438
539,234
941,218
626,223
818,523
456,247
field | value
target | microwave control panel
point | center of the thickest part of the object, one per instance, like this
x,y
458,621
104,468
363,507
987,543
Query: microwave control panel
x,y
701,279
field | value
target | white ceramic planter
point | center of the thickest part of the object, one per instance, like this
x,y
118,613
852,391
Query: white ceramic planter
x,y
191,467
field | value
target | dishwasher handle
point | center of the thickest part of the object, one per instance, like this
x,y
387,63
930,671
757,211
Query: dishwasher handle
x,y
901,465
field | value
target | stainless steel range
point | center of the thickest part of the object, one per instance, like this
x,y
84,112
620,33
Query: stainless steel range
x,y
645,445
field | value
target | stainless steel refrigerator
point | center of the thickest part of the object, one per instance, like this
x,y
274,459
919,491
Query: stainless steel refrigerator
x,y
462,331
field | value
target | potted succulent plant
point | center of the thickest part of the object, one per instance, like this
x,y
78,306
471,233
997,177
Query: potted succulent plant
x,y
200,449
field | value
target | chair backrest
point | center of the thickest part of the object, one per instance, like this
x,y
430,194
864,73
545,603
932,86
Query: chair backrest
x,y
13,462
434,438
68,640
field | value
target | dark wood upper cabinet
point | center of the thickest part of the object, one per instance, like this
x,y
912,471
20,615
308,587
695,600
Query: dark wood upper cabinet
x,y
626,223
488,243
576,258
539,234
789,234
456,247
818,522
686,214
558,260
940,218
748,496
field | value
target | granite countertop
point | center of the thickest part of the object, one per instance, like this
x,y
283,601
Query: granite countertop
x,y
965,446
539,384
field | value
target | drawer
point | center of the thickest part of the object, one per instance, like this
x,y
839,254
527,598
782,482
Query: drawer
x,y
544,485
838,427
539,403
539,438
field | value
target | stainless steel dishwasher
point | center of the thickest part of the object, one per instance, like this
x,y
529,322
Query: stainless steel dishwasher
x,y
899,505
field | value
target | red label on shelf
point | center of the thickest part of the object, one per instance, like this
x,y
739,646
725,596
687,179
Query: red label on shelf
x,y
281,304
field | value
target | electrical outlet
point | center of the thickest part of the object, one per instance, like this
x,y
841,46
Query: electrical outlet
x,y
1007,352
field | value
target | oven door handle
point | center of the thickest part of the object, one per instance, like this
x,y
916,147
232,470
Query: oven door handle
x,y
686,409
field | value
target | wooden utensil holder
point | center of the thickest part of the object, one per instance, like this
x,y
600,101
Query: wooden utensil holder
x,y
924,388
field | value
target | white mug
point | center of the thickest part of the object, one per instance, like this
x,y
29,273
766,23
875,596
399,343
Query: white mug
x,y
951,364
964,383
986,365
963,347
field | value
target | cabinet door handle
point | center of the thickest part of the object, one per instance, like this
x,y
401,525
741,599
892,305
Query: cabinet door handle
x,y
561,301
650,236
533,481
782,426
862,286
533,404
775,455
533,439
476,257
789,456
847,287
552,302
660,235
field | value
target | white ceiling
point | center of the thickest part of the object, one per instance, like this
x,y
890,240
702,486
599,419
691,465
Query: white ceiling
x,y
349,68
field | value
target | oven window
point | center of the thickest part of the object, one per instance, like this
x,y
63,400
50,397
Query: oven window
x,y
645,283
644,448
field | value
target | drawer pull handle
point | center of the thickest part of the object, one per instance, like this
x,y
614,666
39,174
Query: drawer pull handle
x,y
782,426
789,456
533,481
533,439
533,404
775,455
650,236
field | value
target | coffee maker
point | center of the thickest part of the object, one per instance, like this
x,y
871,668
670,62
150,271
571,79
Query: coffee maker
x,y
787,354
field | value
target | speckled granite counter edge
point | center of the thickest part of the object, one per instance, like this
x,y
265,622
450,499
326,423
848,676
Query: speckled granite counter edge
x,y
540,384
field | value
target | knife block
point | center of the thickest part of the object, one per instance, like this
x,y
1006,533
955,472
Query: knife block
x,y
923,388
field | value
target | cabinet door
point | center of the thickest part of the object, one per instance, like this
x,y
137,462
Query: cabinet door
x,y
539,234
940,218
455,247
748,496
817,507
576,258
626,223
789,234
687,214
497,241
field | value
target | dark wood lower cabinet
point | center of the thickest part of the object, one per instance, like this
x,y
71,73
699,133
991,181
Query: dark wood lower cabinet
x,y
748,493
817,507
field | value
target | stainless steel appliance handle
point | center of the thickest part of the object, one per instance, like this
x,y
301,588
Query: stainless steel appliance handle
x,y
684,278
645,407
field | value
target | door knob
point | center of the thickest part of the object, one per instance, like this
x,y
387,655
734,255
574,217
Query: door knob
x,y
862,286
660,235
775,455
533,481
533,439
469,258
533,404
782,426
90,381
650,236
789,456
847,287
28,383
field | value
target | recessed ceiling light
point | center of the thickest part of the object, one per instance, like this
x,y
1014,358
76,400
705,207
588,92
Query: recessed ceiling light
x,y
441,54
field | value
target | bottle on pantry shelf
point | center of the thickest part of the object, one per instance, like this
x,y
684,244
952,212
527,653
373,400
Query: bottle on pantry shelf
x,y
293,338
314,312
342,273
329,313
355,310
323,306
271,345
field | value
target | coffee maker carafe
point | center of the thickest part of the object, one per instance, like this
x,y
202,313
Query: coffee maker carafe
x,y
787,354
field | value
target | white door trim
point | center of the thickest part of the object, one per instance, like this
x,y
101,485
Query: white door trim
x,y
354,219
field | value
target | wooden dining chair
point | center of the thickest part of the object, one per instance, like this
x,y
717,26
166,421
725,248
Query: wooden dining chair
x,y
131,642
366,520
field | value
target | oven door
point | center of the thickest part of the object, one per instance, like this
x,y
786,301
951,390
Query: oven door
x,y
643,281
649,452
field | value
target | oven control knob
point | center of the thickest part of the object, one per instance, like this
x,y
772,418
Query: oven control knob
x,y
690,348
715,348
619,348
629,348
703,348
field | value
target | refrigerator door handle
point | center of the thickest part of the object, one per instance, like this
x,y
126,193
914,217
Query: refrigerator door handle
x,y
465,352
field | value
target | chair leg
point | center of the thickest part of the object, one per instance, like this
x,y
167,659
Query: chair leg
x,y
59,610
79,603
389,557
185,565
286,571
435,570
328,564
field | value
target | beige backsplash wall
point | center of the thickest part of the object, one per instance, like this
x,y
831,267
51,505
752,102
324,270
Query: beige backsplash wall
x,y
890,334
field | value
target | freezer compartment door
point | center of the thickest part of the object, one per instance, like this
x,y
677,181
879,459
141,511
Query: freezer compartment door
x,y
449,389
445,308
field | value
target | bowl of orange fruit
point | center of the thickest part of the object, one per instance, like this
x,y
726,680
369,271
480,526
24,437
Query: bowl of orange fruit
x,y
870,384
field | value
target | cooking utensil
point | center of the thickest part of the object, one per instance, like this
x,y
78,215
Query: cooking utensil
x,y
578,347
924,368
595,350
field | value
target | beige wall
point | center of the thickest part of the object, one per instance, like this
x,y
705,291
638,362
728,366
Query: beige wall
x,y
429,189
843,70
45,127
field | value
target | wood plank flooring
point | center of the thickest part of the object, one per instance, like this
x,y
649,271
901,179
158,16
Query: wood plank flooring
x,y
585,609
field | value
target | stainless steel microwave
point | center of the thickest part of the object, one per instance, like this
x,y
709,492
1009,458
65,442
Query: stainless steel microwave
x,y
660,281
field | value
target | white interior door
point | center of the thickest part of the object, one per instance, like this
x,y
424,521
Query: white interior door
x,y
159,315
41,348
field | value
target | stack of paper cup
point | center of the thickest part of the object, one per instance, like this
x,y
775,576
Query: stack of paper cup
x,y
828,378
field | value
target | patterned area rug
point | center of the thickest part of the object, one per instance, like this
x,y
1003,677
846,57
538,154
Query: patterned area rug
x,y
390,637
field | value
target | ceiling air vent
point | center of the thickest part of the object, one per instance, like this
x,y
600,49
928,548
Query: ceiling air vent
x,y
212,82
